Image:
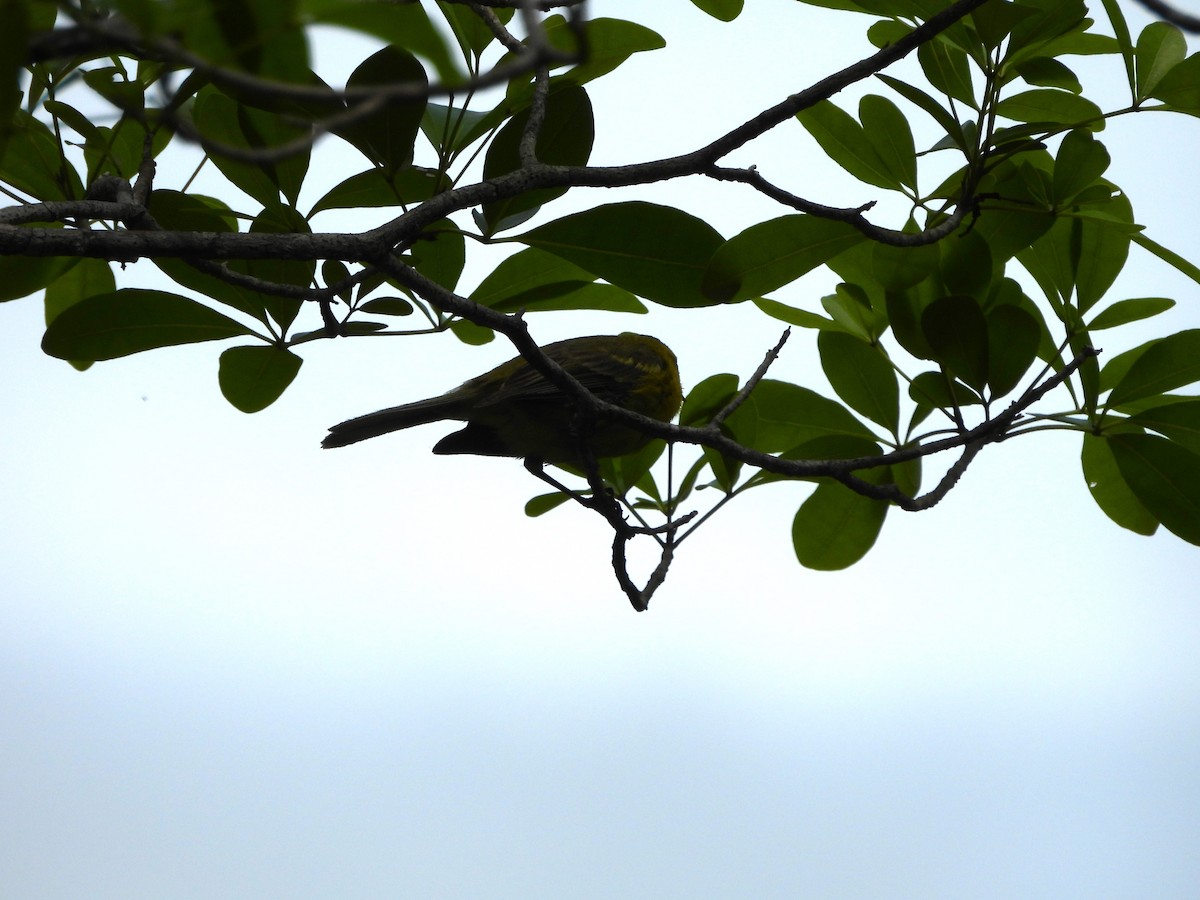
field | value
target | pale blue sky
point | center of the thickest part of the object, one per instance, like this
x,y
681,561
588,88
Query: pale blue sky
x,y
233,665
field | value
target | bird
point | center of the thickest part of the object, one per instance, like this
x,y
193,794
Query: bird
x,y
514,411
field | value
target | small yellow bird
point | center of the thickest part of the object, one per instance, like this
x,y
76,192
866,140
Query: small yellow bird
x,y
514,411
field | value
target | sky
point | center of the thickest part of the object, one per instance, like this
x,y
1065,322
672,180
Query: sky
x,y
234,665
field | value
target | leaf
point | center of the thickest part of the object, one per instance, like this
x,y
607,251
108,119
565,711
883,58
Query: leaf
x,y
387,135
1013,339
778,416
33,162
834,528
1160,47
1165,365
1080,162
1043,71
1164,477
21,276
948,70
404,26
657,252
707,398
725,10
106,326
940,114
388,306
252,378
846,143
1109,490
1051,106
374,188
279,219
1180,87
84,279
1170,257
889,134
936,390
772,254
956,330
439,253
1125,311
565,139
800,317
543,503
1178,421
862,376
223,122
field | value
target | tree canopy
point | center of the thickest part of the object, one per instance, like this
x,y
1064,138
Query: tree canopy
x,y
961,310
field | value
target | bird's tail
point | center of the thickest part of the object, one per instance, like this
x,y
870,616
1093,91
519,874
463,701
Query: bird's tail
x,y
394,419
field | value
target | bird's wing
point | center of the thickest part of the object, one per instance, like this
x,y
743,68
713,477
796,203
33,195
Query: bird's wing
x,y
606,374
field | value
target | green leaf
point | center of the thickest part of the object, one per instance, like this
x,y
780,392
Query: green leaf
x,y
525,271
440,253
862,376
935,390
1109,490
106,326
1125,311
83,279
707,398
21,276
404,26
725,10
387,135
216,117
1179,88
1103,247
657,252
948,70
1080,162
374,188
1165,365
846,143
470,333
1013,339
1043,71
1160,47
956,330
835,527
1178,421
801,317
889,134
966,265
543,503
775,253
252,378
1170,257
607,43
573,295
469,29
190,212
388,306
936,111
565,139
1164,477
1051,106
1047,20
278,219
778,416
851,309
34,163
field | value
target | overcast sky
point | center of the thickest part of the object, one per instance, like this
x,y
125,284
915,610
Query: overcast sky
x,y
234,665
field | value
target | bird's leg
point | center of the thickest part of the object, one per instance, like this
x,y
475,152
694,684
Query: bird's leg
x,y
537,468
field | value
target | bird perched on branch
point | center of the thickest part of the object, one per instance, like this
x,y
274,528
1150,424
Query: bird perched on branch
x,y
514,410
